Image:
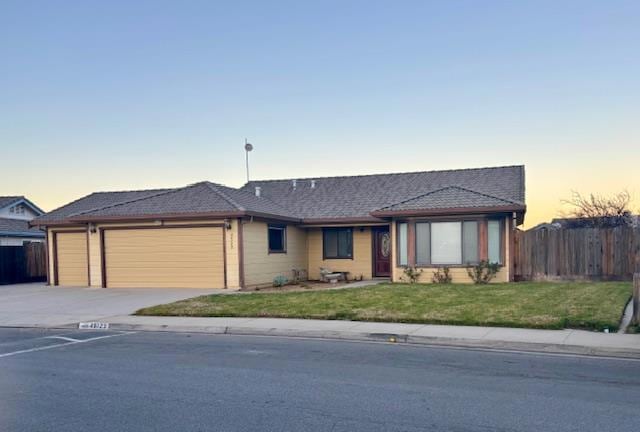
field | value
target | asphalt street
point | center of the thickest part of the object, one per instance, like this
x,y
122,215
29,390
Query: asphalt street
x,y
115,381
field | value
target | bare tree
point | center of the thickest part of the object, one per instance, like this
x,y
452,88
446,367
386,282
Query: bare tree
x,y
600,210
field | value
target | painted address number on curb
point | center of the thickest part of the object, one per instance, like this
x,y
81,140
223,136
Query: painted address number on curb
x,y
93,325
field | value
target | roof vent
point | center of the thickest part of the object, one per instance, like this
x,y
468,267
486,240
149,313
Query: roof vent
x,y
294,183
258,191
313,184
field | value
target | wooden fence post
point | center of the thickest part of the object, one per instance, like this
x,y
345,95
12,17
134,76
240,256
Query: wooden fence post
x,y
636,298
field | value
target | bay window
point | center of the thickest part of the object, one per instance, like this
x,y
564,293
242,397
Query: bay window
x,y
443,243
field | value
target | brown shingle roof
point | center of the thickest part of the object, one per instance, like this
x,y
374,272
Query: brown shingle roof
x,y
353,198
358,196
447,198
203,198
92,201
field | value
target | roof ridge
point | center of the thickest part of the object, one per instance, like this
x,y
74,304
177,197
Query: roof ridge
x,y
443,188
134,190
165,191
214,187
385,174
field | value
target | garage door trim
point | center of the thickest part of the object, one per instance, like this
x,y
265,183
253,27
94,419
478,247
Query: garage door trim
x,y
55,253
160,227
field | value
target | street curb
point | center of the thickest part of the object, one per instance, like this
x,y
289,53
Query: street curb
x,y
392,338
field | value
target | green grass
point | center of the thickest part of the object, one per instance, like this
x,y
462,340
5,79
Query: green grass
x,y
542,305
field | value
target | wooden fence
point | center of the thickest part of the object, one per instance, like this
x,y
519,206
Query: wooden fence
x,y
578,253
19,264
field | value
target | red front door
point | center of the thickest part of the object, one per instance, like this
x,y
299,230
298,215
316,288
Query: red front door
x,y
382,252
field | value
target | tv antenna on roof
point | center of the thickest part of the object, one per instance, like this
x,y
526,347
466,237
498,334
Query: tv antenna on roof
x,y
247,148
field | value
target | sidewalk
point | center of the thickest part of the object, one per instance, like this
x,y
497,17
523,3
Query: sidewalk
x,y
551,341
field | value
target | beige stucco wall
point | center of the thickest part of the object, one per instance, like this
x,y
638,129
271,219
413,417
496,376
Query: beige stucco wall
x,y
261,267
458,274
360,265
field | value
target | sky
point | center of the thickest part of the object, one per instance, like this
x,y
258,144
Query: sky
x,y
123,95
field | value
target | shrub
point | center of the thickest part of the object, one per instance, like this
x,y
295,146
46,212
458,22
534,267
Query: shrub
x,y
483,272
280,281
412,274
442,276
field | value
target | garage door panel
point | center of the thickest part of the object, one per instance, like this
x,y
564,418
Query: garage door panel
x,y
165,257
71,258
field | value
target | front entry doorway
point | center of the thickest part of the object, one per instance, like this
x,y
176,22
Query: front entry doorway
x,y
381,251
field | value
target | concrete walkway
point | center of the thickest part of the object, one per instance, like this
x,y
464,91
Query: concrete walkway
x,y
556,341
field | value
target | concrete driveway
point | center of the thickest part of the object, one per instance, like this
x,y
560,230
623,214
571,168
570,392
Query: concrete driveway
x,y
38,305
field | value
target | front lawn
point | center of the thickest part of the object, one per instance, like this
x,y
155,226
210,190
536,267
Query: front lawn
x,y
587,305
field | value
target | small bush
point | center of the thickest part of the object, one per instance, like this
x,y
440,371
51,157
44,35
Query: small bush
x,y
280,281
442,276
483,272
412,274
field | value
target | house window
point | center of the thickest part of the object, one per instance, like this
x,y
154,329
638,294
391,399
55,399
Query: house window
x,y
402,244
423,243
337,243
446,243
470,249
277,238
493,239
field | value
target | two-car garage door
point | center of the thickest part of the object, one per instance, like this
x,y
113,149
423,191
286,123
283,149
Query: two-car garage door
x,y
185,257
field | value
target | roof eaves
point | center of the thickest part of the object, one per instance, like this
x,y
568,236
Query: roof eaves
x,y
159,216
449,211
22,234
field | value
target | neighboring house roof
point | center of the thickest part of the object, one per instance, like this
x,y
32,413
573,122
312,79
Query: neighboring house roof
x,y
18,228
355,198
6,201
602,222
